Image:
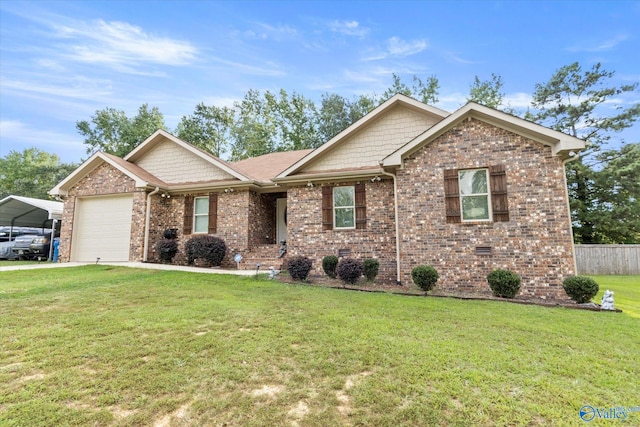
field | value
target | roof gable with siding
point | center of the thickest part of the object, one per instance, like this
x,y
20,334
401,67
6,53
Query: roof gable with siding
x,y
174,164
376,141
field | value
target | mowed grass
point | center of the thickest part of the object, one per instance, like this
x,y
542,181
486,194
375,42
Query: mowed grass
x,y
114,346
626,292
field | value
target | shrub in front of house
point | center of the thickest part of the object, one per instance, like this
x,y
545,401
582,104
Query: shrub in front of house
x,y
329,264
210,248
170,233
166,249
425,277
349,270
299,267
371,267
581,289
504,283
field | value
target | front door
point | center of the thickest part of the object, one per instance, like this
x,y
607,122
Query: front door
x,y
281,220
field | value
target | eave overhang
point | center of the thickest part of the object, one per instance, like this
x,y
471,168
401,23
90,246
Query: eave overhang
x,y
561,144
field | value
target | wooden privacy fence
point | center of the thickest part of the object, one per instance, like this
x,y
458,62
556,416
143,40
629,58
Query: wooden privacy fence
x,y
608,259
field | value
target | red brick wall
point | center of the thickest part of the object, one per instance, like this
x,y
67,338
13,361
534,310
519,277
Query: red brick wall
x,y
306,236
233,224
536,243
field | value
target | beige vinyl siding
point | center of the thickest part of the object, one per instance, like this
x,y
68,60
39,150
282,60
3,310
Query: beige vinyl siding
x,y
373,143
173,164
102,228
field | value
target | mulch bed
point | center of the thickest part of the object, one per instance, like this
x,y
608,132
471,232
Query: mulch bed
x,y
364,286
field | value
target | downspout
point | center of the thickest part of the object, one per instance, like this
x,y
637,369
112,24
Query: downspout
x,y
395,207
147,220
566,193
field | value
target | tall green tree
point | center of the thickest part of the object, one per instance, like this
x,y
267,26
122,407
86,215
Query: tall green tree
x,y
426,92
31,173
254,131
616,189
488,92
573,102
336,113
295,119
333,116
111,131
209,128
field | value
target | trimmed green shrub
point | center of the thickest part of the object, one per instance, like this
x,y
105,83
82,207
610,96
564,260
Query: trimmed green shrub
x,y
166,249
371,267
329,264
349,270
580,288
170,233
204,246
299,267
425,276
504,283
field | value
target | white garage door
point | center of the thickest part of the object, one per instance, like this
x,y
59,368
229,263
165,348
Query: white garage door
x,y
102,228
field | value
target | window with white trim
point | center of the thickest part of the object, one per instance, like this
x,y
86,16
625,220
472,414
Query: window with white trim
x,y
344,207
201,215
474,195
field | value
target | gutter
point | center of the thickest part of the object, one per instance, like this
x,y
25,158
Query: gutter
x,y
327,176
147,220
395,207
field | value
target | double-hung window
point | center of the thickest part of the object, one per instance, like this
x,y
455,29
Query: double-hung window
x,y
201,215
474,194
344,207
479,194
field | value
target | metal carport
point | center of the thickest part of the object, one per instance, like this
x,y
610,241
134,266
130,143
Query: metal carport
x,y
18,211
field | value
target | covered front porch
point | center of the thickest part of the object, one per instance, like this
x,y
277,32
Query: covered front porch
x,y
267,231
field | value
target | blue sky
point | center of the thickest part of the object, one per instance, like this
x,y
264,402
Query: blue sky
x,y
60,61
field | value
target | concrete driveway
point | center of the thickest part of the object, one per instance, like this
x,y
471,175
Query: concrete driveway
x,y
133,265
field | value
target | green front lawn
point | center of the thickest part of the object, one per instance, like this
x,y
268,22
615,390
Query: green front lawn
x,y
101,345
626,292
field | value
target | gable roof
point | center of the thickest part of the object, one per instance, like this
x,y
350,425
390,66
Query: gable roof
x,y
561,143
376,113
141,177
161,135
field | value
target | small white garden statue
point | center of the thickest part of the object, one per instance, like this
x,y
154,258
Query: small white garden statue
x,y
607,301
273,272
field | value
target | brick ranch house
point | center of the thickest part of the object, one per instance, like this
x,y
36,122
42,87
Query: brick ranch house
x,y
407,184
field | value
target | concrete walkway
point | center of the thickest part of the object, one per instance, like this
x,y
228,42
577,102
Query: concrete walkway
x,y
150,266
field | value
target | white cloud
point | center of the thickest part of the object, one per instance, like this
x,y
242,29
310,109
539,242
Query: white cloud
x,y
457,58
360,77
517,100
75,87
599,46
120,44
17,136
348,28
50,64
266,69
398,47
